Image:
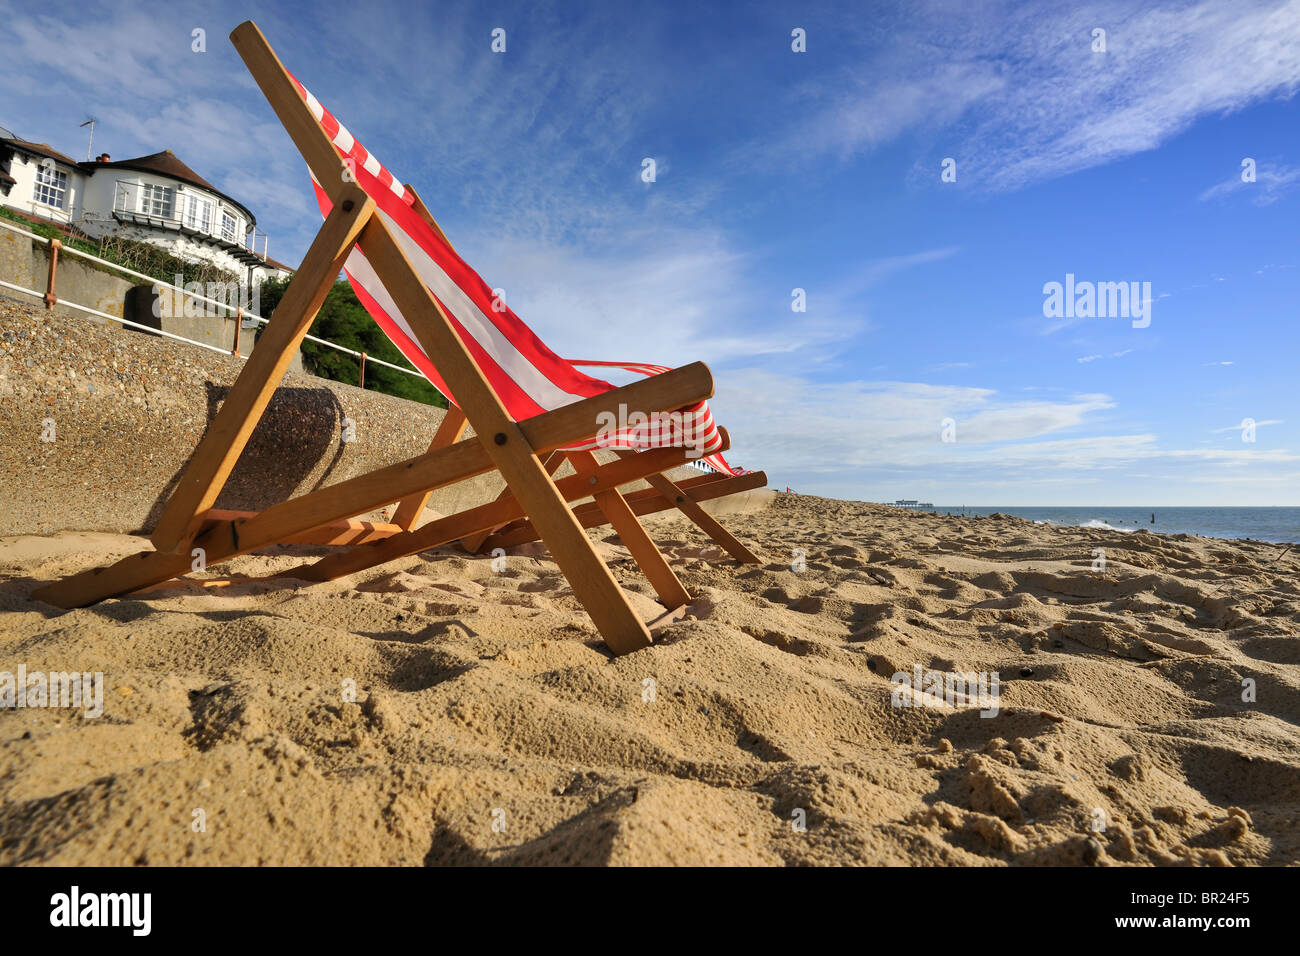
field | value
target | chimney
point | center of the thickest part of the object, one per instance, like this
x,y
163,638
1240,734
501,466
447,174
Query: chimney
x,y
102,158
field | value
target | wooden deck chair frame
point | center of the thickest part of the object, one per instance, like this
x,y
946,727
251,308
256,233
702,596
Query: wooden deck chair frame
x,y
190,527
669,495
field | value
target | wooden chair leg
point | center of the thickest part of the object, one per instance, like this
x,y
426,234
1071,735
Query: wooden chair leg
x,y
705,521
474,543
672,593
210,465
645,502
453,426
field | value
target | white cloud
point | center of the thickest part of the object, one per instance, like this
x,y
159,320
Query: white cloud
x,y
1258,424
783,421
668,296
877,438
488,141
1271,184
877,270
1016,95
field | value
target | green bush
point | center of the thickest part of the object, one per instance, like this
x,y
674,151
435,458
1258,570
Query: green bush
x,y
48,232
157,262
344,320
145,257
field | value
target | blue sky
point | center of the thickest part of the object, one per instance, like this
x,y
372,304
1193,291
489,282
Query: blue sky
x,y
820,171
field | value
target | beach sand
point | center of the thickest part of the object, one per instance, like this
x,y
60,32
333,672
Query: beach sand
x,y
490,725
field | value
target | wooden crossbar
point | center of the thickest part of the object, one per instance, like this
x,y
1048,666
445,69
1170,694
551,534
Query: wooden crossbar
x,y
646,502
449,432
639,500
490,515
348,531
474,542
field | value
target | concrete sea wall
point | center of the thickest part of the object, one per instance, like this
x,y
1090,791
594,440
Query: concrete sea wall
x,y
127,409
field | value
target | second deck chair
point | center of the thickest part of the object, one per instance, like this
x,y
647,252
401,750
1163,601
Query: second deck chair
x,y
434,302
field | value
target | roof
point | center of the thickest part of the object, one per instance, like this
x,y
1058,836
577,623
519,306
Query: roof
x,y
277,265
7,179
41,149
167,164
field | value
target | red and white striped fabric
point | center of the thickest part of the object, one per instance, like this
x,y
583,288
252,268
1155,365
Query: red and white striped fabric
x,y
714,461
529,378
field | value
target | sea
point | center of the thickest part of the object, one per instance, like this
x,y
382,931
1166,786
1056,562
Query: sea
x,y
1279,525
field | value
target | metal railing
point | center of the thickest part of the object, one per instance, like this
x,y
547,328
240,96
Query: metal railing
x,y
238,314
53,213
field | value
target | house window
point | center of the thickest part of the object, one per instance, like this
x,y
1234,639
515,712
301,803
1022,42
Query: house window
x,y
51,187
198,213
156,200
227,227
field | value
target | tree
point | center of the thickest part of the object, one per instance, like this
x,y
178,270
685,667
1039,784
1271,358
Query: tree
x,y
344,321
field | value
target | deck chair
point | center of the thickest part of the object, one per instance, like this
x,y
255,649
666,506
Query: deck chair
x,y
529,409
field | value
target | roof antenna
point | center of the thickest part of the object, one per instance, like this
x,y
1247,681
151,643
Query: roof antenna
x,y
91,123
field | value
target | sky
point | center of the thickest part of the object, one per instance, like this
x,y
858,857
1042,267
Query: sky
x,y
921,171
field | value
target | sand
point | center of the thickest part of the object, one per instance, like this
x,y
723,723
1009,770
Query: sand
x,y
490,726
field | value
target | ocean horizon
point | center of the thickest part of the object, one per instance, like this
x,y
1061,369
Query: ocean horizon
x,y
1275,524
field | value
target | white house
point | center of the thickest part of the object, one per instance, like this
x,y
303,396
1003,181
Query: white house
x,y
156,198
